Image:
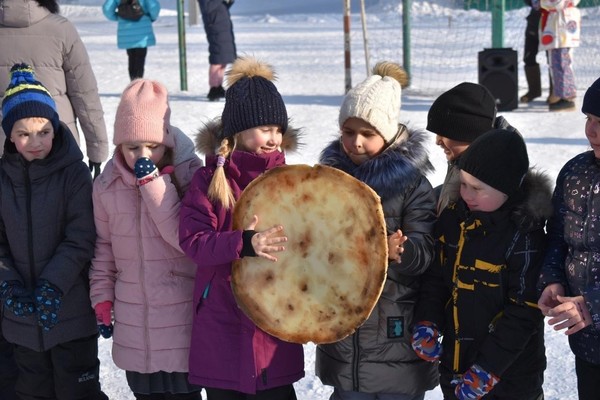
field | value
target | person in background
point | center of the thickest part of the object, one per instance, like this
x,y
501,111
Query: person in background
x,y
33,32
134,36
46,244
560,30
569,280
230,356
457,117
138,269
221,43
530,50
377,361
480,293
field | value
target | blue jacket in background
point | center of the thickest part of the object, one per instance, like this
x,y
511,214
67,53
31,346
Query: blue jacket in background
x,y
134,34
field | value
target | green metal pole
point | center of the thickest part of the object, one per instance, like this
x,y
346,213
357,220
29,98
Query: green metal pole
x,y
406,6
182,56
498,8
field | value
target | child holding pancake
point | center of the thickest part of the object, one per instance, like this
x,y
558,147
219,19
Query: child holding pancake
x,y
377,361
138,270
480,292
230,356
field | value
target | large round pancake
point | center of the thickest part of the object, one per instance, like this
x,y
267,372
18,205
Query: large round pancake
x,y
331,274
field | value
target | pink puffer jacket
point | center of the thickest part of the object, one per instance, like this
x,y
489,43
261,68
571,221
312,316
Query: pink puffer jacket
x,y
139,266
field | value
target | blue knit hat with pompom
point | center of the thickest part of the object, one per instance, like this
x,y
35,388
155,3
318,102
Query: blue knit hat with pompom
x,y
25,97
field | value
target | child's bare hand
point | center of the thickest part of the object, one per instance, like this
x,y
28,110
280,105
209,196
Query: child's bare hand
x,y
267,241
395,245
548,299
571,314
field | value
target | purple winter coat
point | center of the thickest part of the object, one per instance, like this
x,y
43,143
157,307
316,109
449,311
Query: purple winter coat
x,y
228,351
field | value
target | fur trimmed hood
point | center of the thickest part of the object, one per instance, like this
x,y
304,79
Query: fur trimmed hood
x,y
394,170
209,136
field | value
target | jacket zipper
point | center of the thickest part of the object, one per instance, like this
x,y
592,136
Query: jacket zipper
x,y
355,358
142,280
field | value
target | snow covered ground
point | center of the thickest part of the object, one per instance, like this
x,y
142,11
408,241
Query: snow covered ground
x,y
304,42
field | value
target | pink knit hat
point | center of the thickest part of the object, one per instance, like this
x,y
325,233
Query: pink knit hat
x,y
143,114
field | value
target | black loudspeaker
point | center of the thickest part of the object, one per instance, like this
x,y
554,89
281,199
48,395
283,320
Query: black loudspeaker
x,y
498,73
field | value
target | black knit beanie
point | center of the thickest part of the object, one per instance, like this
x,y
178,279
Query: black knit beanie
x,y
497,158
591,100
252,99
463,112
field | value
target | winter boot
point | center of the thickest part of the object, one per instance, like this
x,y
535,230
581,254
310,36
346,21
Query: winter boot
x,y
534,81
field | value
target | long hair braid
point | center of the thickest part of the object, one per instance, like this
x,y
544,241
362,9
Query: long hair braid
x,y
219,189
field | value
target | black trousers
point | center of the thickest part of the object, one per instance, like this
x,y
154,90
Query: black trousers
x,y
588,379
68,371
169,396
286,392
8,370
137,61
532,41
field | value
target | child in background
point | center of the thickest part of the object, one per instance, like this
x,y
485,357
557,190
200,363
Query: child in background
x,y
46,243
569,277
230,356
134,36
139,269
377,361
457,117
480,292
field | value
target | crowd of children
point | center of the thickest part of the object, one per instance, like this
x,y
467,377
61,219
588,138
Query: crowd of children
x,y
143,253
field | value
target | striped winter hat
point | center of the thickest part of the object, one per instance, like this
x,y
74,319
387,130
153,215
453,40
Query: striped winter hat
x,y
25,97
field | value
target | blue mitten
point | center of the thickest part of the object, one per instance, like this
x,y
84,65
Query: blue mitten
x,y
47,302
475,383
425,341
145,171
16,298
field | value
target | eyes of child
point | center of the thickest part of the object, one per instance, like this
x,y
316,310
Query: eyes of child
x,y
367,134
135,147
27,134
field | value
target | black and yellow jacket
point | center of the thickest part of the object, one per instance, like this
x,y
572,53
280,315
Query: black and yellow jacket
x,y
481,289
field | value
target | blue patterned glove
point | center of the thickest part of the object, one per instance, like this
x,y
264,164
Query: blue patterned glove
x,y
105,330
425,341
47,299
16,298
475,383
145,171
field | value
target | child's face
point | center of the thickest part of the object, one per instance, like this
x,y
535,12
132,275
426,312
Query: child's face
x,y
133,151
592,132
261,139
360,140
452,148
33,137
478,195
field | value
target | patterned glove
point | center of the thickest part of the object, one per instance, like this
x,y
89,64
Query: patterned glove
x,y
16,298
103,317
425,341
475,383
145,171
47,299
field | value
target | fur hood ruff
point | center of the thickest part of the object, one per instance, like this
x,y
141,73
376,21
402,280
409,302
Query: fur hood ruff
x,y
393,171
209,136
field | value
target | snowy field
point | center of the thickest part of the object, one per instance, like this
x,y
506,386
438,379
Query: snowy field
x,y
304,42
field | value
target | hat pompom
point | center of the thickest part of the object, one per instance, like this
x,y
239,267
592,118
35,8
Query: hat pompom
x,y
393,70
25,97
251,98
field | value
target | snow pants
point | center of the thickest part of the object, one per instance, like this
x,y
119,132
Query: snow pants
x,y
8,370
68,371
286,392
588,379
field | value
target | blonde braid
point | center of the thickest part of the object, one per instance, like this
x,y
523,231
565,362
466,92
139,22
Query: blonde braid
x,y
219,189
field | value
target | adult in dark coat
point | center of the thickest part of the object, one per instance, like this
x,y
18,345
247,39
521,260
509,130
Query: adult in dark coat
x,y
221,43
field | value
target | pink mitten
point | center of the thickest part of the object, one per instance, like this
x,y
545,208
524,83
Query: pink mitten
x,y
103,312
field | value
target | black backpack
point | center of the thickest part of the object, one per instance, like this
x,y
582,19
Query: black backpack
x,y
130,9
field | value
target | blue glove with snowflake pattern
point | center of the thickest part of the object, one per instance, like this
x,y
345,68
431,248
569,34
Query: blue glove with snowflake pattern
x,y
47,298
425,341
145,171
475,383
16,298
